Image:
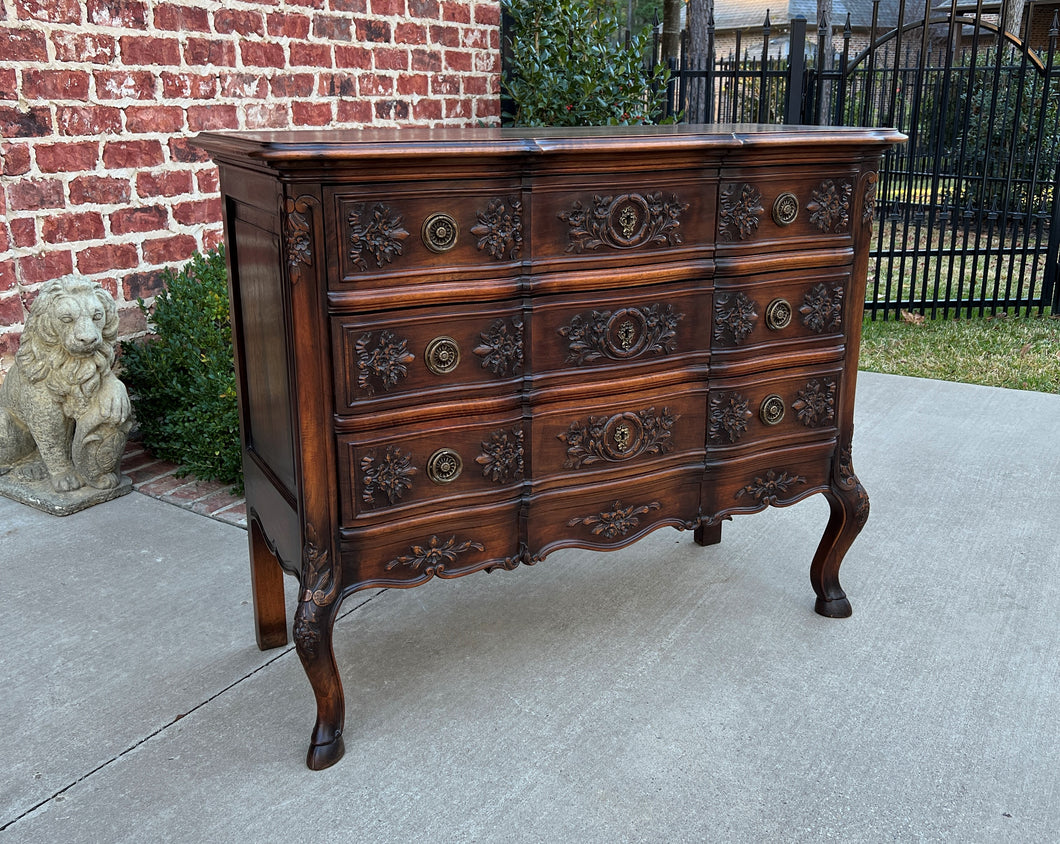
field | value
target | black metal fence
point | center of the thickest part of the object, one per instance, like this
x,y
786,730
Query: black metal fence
x,y
969,212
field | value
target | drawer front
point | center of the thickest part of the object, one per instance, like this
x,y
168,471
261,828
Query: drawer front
x,y
776,308
389,471
792,208
647,217
617,436
769,410
613,515
388,358
436,229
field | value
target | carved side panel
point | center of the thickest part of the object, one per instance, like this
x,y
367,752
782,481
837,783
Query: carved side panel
x,y
628,221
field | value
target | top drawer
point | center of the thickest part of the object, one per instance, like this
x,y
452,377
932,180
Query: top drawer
x,y
762,209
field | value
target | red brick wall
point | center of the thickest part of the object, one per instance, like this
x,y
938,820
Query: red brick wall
x,y
98,101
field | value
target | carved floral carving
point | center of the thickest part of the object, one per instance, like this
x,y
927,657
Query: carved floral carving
x,y
377,233
625,222
814,404
618,521
734,317
501,349
830,206
320,588
500,229
848,480
822,308
868,210
619,437
432,558
502,456
771,488
728,416
381,362
297,236
622,334
389,476
741,203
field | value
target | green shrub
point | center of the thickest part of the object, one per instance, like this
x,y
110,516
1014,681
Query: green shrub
x,y
568,66
182,380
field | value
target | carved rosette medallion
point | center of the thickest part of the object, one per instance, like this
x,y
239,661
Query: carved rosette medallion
x,y
297,236
618,521
377,233
320,588
382,361
728,417
822,308
848,480
814,404
618,438
770,489
501,349
868,210
500,229
389,476
621,335
830,205
625,222
734,318
433,557
740,206
502,456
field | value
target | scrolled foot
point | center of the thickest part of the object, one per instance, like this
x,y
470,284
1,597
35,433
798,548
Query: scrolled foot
x,y
833,607
323,756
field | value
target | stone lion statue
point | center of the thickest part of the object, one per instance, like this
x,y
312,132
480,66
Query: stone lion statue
x,y
64,414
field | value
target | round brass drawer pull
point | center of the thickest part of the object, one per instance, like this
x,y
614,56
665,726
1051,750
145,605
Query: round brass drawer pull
x,y
785,209
444,466
442,355
439,232
778,314
772,409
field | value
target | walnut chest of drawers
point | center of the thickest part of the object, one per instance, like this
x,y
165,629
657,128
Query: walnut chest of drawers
x,y
463,349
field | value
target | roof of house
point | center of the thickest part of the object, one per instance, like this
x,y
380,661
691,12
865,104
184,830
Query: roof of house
x,y
744,14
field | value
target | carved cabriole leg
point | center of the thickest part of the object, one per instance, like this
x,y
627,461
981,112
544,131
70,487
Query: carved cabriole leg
x,y
313,623
266,585
849,511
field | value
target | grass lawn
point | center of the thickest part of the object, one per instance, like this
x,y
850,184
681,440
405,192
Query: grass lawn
x,y
1022,353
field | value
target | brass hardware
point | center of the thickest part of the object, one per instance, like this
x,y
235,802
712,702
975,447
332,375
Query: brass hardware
x,y
444,466
439,232
778,314
623,437
772,409
785,209
627,333
628,221
442,355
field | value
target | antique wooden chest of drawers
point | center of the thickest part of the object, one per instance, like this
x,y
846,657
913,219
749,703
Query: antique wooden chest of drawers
x,y
463,349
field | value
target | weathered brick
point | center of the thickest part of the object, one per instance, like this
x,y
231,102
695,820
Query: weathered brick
x,y
311,114
101,259
332,28
288,25
475,38
477,86
55,84
87,120
393,8
197,212
35,194
255,54
147,218
91,47
427,110
292,85
191,86
336,85
358,7
11,309
16,159
390,58
5,238
49,11
410,33
200,52
244,86
71,228
165,183
374,85
165,250
354,111
147,119
412,84
206,118
131,321
8,280
445,84
207,181
23,45
121,14
182,151
487,14
99,190
181,18
445,36
125,84
392,110
353,57
456,12
24,232
374,30
488,108
8,84
149,50
313,55
266,116
142,285
44,266
32,123
212,238
429,61
458,61
425,9
243,21
457,108
67,158
138,154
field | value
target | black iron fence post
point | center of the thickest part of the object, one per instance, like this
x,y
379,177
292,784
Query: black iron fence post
x,y
796,71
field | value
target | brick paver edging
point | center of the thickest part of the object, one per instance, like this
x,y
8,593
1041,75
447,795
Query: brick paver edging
x,y
158,479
